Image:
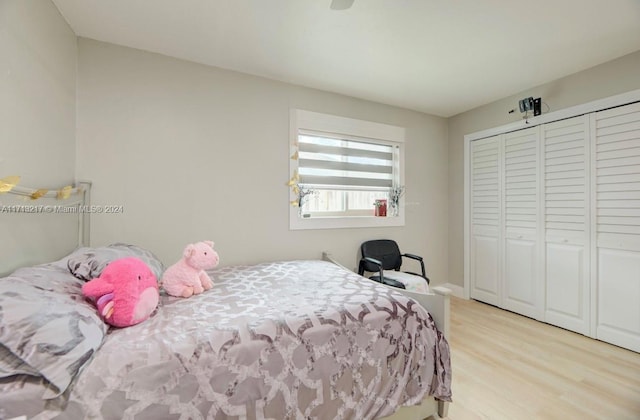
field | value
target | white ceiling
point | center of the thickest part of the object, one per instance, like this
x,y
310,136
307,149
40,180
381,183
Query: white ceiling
x,y
441,57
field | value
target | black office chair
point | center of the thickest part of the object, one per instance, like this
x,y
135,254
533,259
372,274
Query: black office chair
x,y
384,254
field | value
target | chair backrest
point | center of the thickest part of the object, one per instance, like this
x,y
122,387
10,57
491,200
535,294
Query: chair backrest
x,y
384,250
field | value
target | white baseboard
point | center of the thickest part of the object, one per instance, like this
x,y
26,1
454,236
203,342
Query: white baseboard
x,y
457,291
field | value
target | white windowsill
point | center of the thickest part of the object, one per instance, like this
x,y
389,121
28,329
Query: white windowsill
x,y
299,223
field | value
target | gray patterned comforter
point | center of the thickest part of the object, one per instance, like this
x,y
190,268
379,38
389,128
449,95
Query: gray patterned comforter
x,y
288,340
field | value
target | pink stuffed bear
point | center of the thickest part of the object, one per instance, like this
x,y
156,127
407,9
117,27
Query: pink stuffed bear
x,y
126,292
187,277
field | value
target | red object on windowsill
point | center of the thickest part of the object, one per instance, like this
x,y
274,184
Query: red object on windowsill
x,y
380,208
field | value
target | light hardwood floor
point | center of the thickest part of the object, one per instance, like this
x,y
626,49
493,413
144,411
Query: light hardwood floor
x,y
506,366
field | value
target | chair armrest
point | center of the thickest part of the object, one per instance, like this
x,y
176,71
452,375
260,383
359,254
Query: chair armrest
x,y
418,258
419,275
361,266
378,263
412,256
373,260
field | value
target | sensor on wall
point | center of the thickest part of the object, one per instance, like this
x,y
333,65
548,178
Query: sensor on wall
x,y
526,104
530,104
537,106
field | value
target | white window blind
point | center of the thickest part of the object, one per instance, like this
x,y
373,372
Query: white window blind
x,y
326,161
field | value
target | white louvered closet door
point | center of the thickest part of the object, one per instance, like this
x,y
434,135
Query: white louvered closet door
x,y
565,182
616,133
485,220
521,282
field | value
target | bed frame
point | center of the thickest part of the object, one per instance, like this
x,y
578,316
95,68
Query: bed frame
x,y
438,304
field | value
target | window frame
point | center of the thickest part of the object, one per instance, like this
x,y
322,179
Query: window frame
x,y
343,126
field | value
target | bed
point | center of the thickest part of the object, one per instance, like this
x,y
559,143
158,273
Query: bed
x,y
281,340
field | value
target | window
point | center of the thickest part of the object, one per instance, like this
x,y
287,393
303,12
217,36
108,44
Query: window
x,y
343,166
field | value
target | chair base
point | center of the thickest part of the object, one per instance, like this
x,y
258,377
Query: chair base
x,y
388,281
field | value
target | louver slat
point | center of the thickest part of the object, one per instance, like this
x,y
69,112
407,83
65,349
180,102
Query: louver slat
x,y
618,171
520,173
485,184
565,185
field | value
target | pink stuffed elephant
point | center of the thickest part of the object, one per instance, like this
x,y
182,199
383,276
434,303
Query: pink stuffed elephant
x,y
187,277
126,293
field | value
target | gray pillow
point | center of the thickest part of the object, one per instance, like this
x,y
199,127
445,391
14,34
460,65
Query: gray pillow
x,y
11,365
46,325
89,264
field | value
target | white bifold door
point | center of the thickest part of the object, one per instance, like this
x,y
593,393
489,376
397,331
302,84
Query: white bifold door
x,y
565,181
486,219
521,282
616,185
504,222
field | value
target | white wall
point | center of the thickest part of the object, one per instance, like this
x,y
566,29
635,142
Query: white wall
x,y
195,152
38,91
37,118
617,76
